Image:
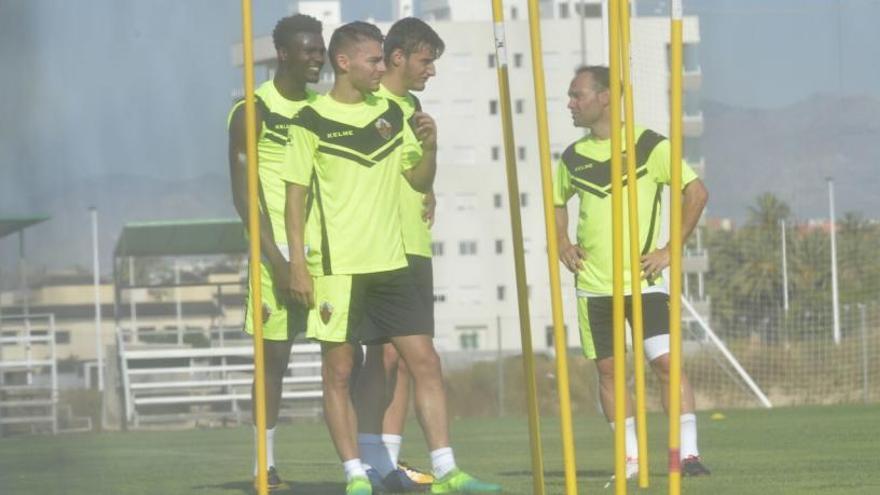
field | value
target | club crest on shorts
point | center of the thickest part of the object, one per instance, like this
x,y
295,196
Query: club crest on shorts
x,y
326,311
384,128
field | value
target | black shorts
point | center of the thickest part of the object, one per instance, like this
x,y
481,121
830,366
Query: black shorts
x,y
422,270
596,321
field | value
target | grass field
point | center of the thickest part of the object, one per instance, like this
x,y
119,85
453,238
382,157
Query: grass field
x,y
827,450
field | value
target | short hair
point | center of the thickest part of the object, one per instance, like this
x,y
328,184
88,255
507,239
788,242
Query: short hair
x,y
600,73
351,33
409,34
290,26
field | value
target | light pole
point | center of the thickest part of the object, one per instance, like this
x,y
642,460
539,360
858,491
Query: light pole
x,y
835,299
96,275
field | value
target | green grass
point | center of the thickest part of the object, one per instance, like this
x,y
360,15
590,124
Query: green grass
x,y
827,450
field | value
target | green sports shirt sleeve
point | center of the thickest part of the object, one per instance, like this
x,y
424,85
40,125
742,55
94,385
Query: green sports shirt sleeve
x,y
299,156
562,188
660,170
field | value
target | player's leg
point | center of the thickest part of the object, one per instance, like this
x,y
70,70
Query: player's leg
x,y
411,331
595,325
371,396
337,313
422,270
277,340
656,318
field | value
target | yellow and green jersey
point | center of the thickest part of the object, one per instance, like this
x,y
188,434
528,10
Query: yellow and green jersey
x,y
416,232
351,157
585,169
277,112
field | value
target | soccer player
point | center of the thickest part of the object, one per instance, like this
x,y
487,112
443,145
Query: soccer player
x,y
584,170
410,49
349,148
300,50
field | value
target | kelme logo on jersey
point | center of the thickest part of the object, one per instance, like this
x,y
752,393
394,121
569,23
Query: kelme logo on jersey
x,y
384,128
331,135
326,311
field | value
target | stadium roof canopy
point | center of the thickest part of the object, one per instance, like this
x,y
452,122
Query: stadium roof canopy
x,y
9,226
182,238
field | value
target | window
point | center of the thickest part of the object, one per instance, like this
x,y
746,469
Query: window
x,y
493,107
523,199
519,105
469,340
499,246
496,200
491,60
496,153
548,336
521,152
556,155
439,297
469,336
467,248
517,59
437,248
62,337
500,290
588,9
563,11
514,13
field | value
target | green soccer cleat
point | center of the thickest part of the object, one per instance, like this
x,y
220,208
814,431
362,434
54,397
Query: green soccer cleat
x,y
359,485
457,481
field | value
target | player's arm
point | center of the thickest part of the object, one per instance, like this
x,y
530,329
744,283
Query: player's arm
x,y
430,207
571,255
421,177
301,288
694,199
238,179
297,171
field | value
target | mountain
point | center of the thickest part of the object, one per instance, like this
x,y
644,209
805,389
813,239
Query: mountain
x,y
789,151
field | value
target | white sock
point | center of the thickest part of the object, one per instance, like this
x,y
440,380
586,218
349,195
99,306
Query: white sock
x,y
442,462
689,436
270,448
392,445
632,441
353,467
373,453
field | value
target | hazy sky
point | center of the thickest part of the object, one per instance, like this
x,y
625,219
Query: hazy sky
x,y
143,86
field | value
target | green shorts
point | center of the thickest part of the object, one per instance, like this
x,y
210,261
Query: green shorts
x,y
368,308
280,322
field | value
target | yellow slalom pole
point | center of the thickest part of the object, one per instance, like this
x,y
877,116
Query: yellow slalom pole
x,y
522,292
675,137
617,250
634,245
254,236
559,337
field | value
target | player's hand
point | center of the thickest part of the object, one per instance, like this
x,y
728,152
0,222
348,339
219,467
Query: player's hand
x,y
426,130
430,205
654,262
302,289
281,282
572,257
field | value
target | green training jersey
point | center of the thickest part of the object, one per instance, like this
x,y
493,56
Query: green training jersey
x,y
585,170
277,112
416,231
351,156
